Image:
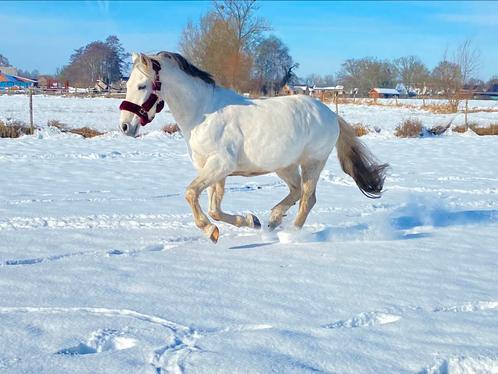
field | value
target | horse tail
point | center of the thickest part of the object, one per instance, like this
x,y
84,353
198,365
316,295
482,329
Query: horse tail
x,y
357,161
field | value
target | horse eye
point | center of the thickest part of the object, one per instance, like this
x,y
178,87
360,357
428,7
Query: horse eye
x,y
142,87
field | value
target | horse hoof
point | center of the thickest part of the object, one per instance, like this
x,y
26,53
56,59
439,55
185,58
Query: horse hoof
x,y
215,234
253,221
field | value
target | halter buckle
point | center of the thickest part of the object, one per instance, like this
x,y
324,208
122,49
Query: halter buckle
x,y
143,113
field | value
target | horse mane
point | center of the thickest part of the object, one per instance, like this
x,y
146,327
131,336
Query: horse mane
x,y
189,68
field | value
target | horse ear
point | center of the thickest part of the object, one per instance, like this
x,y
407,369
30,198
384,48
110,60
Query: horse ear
x,y
134,57
144,60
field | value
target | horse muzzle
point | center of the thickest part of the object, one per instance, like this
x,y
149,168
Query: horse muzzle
x,y
129,129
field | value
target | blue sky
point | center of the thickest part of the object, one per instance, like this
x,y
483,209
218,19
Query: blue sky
x,y
320,35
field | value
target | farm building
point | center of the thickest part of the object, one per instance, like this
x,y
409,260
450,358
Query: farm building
x,y
491,93
378,93
49,83
320,91
298,89
8,82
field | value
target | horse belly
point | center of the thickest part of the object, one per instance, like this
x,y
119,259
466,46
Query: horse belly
x,y
268,150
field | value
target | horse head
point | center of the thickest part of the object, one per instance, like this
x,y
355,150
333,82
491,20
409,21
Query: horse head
x,y
143,94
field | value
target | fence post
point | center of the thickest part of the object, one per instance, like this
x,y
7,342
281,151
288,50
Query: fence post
x,y
336,97
31,124
466,110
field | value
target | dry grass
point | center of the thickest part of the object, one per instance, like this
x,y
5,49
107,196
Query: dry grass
x,y
491,129
440,108
57,124
460,129
483,110
14,129
86,132
171,128
409,128
360,129
347,100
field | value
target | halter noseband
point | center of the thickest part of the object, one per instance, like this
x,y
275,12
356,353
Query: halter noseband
x,y
142,111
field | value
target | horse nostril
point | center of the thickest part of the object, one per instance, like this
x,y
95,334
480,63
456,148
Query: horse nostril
x,y
124,127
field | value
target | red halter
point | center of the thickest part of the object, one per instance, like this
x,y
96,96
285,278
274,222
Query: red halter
x,y
142,111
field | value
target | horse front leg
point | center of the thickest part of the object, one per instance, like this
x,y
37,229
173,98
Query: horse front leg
x,y
215,196
213,171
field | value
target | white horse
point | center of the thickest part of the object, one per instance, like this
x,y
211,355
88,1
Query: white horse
x,y
228,134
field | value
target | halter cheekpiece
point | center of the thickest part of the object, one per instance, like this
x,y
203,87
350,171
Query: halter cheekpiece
x,y
142,111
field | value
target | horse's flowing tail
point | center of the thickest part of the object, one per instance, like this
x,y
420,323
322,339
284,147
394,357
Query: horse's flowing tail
x,y
357,161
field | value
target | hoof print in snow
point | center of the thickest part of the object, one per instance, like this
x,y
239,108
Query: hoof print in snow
x,y
364,320
115,252
106,340
154,248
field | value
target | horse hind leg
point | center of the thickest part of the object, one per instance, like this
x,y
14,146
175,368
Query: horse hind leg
x,y
292,178
310,174
215,196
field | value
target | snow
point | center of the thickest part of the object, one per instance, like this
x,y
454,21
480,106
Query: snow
x,y
98,113
387,118
103,270
102,113
391,91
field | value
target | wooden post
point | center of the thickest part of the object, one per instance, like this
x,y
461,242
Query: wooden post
x,y
466,110
31,124
336,98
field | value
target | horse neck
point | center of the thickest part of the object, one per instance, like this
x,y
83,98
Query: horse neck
x,y
188,99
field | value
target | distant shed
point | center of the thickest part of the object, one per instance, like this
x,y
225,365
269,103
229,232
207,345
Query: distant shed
x,y
490,94
380,93
14,82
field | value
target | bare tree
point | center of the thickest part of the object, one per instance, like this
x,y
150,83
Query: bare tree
x,y
273,65
4,61
446,79
412,72
240,14
96,60
314,79
223,42
468,59
493,81
367,73
28,74
290,76
212,45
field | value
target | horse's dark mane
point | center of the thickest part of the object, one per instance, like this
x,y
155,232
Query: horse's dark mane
x,y
188,68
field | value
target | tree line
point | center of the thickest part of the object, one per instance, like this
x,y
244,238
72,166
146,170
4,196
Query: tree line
x,y
236,46
229,41
447,78
98,60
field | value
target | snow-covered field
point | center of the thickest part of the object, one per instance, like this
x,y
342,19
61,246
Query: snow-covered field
x,y
102,269
102,113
